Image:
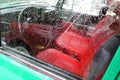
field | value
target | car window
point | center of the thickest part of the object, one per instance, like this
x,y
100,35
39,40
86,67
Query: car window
x,y
58,32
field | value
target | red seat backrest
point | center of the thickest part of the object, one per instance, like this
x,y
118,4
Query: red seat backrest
x,y
73,42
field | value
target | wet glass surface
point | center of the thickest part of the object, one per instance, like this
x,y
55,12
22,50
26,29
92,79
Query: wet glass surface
x,y
59,31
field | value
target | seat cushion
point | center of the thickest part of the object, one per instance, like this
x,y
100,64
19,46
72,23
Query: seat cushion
x,y
60,59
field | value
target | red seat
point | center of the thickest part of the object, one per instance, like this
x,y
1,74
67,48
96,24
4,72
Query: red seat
x,y
60,59
80,45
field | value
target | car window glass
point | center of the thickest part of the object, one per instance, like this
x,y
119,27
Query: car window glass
x,y
59,32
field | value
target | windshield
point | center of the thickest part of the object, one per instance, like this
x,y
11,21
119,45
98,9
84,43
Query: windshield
x,y
91,7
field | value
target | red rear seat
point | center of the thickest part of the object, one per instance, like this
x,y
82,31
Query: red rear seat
x,y
60,59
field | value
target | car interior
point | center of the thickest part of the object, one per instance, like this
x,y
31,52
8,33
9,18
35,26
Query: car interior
x,y
71,47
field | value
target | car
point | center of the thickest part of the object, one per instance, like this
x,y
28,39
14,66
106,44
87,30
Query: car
x,y
69,42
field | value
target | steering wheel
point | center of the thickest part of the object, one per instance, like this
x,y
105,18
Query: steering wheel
x,y
27,15
30,15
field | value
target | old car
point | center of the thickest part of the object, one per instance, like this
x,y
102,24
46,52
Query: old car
x,y
70,39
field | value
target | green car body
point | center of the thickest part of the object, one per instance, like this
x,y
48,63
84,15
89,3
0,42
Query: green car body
x,y
113,71
12,70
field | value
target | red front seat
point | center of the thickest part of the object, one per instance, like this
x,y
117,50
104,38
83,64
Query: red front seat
x,y
60,59
78,45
